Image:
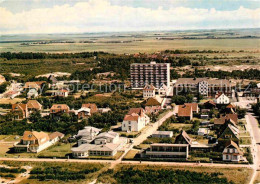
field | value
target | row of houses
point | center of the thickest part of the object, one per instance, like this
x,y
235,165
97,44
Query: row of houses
x,y
22,111
184,144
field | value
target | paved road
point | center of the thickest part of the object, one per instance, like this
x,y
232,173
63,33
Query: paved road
x,y
252,126
143,136
126,162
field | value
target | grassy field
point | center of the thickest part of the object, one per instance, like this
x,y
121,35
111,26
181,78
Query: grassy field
x,y
66,166
149,44
237,175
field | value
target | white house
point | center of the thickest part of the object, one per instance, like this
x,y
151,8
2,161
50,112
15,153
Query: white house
x,y
86,150
135,120
107,137
32,93
87,134
62,92
232,153
149,91
221,99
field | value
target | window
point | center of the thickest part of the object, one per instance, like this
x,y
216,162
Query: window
x,y
227,157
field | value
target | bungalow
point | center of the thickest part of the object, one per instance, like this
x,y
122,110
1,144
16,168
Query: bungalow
x,y
135,120
232,152
162,150
86,150
162,134
33,141
20,111
149,91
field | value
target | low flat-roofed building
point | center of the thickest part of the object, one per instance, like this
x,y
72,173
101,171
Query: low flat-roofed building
x,y
162,134
162,150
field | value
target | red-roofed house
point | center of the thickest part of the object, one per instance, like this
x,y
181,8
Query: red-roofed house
x,y
135,120
20,111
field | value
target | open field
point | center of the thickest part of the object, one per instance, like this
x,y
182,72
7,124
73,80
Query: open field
x,y
88,169
148,44
236,175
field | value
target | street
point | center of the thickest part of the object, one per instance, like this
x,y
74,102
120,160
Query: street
x,y
252,126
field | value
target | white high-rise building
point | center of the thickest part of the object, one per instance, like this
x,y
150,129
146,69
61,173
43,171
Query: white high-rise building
x,y
153,73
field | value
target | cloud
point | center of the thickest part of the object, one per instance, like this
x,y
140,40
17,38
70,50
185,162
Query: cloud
x,y
101,16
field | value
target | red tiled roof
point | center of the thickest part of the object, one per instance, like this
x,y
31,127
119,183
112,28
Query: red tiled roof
x,y
184,111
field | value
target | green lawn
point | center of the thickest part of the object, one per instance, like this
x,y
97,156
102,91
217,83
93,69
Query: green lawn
x,y
60,151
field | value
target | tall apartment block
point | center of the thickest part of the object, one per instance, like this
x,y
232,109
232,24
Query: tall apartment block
x,y
153,73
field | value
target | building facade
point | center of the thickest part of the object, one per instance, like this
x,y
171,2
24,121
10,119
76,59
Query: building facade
x,y
153,73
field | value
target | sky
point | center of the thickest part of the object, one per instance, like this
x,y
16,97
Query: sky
x,y
78,16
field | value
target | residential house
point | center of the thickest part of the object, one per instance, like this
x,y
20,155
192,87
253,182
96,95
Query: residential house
x,y
93,107
229,132
34,85
195,107
221,98
58,109
107,137
33,141
34,105
167,151
232,118
135,120
87,135
163,90
20,111
232,152
32,93
210,104
162,134
185,112
148,91
183,138
83,113
153,105
55,137
62,93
